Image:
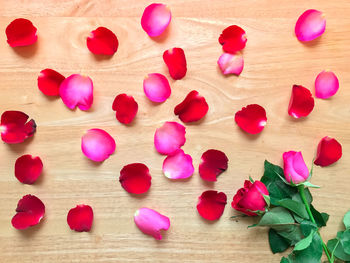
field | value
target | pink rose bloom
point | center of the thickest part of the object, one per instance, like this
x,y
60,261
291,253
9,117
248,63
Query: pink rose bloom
x,y
295,169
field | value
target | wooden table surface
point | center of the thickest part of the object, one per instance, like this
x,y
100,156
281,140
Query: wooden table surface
x,y
274,61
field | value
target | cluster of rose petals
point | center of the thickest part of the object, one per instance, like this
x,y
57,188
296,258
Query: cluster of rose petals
x,y
135,178
175,60
233,39
97,145
301,102
156,87
213,163
178,165
329,150
326,84
252,118
80,218
126,108
49,82
211,204
15,128
310,25
102,41
295,169
155,19
231,63
21,32
169,138
30,210
28,168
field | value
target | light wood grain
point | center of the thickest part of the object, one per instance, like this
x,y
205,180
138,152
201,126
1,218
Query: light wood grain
x,y
274,61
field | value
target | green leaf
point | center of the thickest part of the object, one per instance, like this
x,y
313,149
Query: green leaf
x,y
277,243
276,216
284,260
307,227
346,220
293,234
345,241
320,218
308,184
267,200
305,242
308,196
295,207
338,249
312,254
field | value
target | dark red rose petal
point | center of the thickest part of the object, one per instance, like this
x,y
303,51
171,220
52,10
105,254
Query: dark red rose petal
x,y
126,108
329,151
251,119
102,41
192,108
80,218
28,168
213,163
30,210
211,204
301,102
49,82
135,178
175,59
233,39
15,128
21,32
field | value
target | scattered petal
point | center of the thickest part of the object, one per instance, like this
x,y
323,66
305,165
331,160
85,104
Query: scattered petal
x,y
80,218
233,39
175,59
77,90
49,82
326,85
178,165
126,108
213,163
15,128
329,151
28,168
155,19
310,25
135,178
102,41
97,145
211,204
30,210
156,87
150,222
21,32
231,63
251,119
301,102
169,138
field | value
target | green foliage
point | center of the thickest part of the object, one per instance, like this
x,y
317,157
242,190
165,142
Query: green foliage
x,y
277,243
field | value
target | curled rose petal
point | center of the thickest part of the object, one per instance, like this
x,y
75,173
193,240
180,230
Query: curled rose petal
x,y
301,102
77,90
178,165
213,163
193,108
211,204
310,25
326,84
49,82
156,87
15,128
30,210
233,39
175,60
155,19
150,222
28,168
21,32
251,119
135,178
97,145
231,63
169,138
80,218
126,108
329,150
102,41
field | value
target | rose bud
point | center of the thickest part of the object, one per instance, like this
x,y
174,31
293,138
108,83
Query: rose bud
x,y
295,169
250,198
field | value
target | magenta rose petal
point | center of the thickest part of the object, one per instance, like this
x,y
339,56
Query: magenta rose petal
x,y
211,204
126,108
233,39
155,19
30,210
326,84
102,41
175,60
310,25
231,63
301,102
135,178
213,163
251,119
295,169
329,151
156,87
80,218
49,82
97,145
21,32
28,168
178,165
150,222
169,138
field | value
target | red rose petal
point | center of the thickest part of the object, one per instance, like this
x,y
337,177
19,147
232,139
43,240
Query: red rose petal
x,y
126,108
102,41
213,163
175,59
15,128
310,25
135,178
211,204
251,119
329,151
178,165
326,84
21,32
156,87
231,63
30,210
233,39
49,82
155,19
169,138
80,218
193,108
28,168
301,102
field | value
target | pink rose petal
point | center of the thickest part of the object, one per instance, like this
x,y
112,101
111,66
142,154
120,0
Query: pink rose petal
x,y
252,118
169,138
80,218
231,63
28,168
301,102
310,25
156,87
178,165
155,19
211,204
326,84
329,151
213,163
